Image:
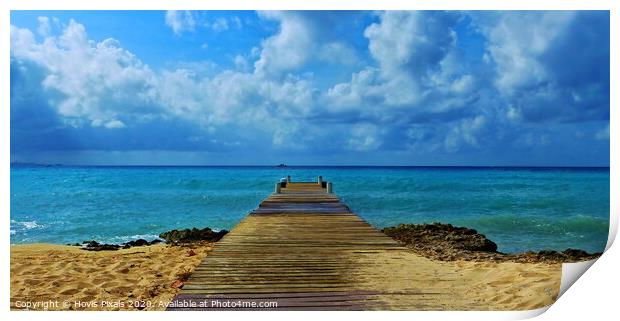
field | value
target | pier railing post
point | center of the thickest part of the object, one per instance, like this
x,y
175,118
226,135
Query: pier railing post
x,y
278,188
329,187
320,180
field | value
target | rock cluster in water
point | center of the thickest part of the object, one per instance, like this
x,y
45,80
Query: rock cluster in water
x,y
174,237
448,243
192,235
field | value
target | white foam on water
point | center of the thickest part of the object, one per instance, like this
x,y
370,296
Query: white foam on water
x,y
123,239
31,225
27,225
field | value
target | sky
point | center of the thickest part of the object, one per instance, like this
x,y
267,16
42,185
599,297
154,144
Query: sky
x,y
430,88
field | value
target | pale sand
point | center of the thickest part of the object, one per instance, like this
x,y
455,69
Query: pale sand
x,y
406,281
44,272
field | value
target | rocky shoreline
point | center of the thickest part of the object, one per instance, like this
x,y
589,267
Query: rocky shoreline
x,y
446,242
437,241
174,237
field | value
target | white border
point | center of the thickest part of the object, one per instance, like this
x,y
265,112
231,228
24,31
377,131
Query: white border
x,y
313,5
593,296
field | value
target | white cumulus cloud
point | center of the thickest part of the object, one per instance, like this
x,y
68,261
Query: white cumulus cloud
x,y
180,21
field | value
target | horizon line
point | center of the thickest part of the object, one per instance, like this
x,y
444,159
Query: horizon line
x,y
289,166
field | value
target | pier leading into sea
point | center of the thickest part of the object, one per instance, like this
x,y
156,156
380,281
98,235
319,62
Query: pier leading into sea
x,y
303,249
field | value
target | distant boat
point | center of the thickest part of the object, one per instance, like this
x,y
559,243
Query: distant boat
x,y
281,165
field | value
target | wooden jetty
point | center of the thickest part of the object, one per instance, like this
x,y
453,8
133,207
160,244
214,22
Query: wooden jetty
x,y
301,248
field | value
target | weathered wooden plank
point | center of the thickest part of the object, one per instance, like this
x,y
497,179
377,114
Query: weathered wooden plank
x,y
280,295
300,246
234,289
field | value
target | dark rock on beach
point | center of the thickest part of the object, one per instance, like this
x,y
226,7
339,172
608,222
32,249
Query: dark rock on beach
x,y
446,242
192,235
550,256
175,237
440,239
138,242
96,246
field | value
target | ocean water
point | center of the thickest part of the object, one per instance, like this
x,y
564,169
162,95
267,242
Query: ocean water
x,y
518,208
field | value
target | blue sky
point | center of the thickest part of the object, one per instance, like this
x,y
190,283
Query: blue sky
x,y
310,88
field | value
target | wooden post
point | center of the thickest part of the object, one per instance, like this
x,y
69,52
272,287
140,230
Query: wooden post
x,y
329,187
278,186
288,178
320,180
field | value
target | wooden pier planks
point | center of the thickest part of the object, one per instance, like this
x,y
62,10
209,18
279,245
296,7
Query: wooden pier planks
x,y
300,248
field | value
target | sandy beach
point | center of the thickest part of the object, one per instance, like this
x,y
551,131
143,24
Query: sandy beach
x,y
461,285
116,280
139,278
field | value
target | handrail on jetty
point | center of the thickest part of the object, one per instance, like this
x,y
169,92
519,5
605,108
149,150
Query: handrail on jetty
x,y
282,184
300,248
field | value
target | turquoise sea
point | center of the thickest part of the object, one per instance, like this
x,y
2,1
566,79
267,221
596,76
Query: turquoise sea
x,y
518,208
